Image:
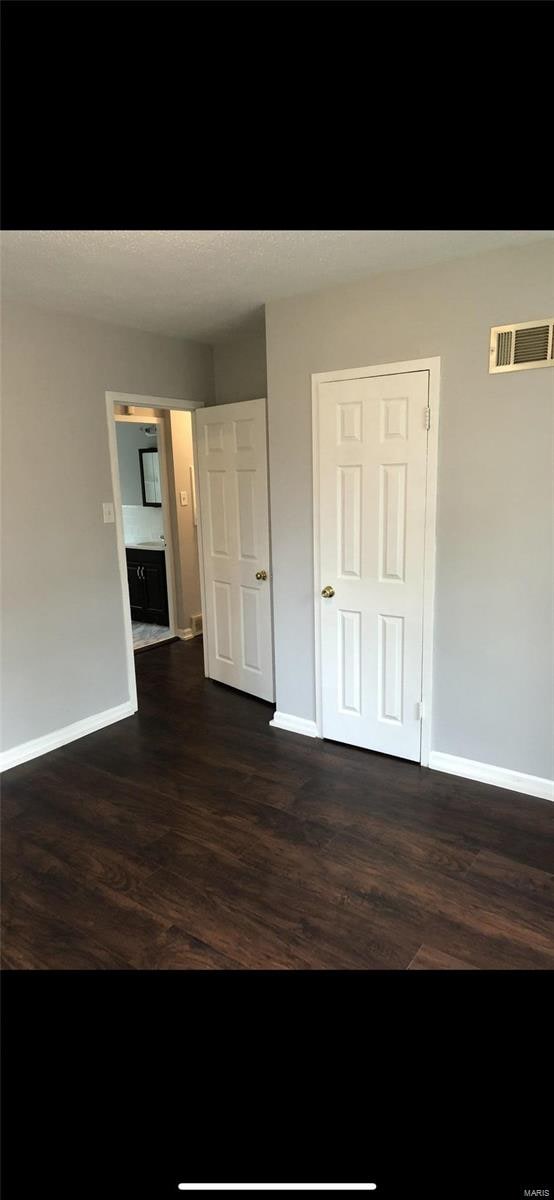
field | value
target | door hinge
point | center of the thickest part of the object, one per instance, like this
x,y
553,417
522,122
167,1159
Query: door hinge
x,y
419,710
427,418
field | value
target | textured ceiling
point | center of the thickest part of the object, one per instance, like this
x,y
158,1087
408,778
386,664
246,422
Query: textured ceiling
x,y
208,284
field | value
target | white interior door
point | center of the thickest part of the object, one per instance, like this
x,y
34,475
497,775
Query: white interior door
x,y
234,513
371,499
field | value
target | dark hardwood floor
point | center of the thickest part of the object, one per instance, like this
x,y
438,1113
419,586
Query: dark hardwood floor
x,y
194,835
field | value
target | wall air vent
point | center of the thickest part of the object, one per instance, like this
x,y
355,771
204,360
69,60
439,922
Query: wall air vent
x,y
519,347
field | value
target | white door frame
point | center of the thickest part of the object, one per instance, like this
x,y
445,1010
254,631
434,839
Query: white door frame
x,y
432,365
136,401
196,501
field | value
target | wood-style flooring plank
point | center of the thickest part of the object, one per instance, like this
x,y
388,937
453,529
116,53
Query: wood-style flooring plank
x,y
509,878
429,959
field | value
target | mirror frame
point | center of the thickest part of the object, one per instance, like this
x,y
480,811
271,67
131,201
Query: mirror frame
x,y
147,503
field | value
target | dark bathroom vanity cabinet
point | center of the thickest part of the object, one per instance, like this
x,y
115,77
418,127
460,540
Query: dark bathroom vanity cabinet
x,y
147,585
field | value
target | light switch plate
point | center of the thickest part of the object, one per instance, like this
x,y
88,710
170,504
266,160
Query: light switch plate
x,y
109,517
184,499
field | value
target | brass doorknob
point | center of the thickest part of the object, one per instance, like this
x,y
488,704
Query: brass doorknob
x,y
328,592
261,574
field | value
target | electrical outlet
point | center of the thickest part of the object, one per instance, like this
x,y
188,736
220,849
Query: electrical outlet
x,y
184,499
109,517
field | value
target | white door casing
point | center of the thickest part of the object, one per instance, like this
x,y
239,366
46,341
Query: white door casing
x,y
231,449
370,483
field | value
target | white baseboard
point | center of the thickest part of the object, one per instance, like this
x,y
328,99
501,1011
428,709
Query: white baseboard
x,y
294,724
186,634
516,781
60,737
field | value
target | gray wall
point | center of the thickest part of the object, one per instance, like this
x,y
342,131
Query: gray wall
x,y
130,440
240,369
63,637
493,677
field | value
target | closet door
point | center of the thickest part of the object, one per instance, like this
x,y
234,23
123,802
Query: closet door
x,y
370,508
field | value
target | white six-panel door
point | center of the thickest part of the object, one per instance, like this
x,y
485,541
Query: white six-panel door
x,y
234,513
370,496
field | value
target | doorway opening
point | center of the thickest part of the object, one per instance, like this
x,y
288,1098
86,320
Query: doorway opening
x,y
145,519
151,450
204,490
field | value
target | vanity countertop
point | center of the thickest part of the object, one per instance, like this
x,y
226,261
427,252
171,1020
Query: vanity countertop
x,y
159,545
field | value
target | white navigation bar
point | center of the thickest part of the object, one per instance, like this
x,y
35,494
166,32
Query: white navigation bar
x,y
277,1187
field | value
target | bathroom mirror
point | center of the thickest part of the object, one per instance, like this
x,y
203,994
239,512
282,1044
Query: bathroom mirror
x,y
150,478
